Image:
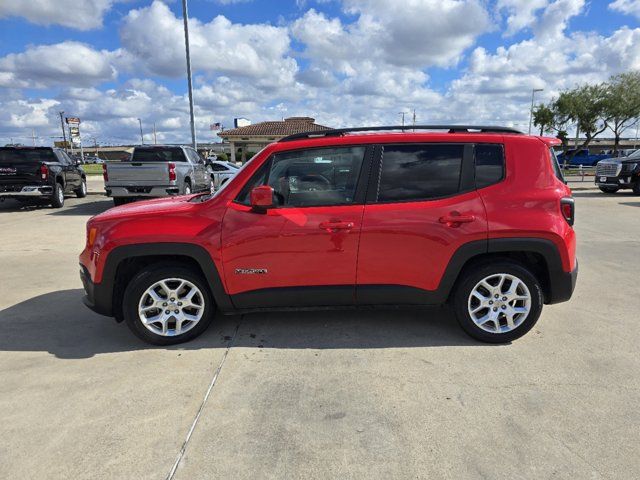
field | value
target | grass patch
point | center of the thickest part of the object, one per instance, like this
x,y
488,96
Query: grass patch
x,y
92,169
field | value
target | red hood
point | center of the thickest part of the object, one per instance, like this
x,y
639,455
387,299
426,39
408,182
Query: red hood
x,y
146,207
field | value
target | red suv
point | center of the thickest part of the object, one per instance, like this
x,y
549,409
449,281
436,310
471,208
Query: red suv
x,y
477,216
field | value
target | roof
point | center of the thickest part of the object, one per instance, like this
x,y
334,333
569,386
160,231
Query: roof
x,y
277,129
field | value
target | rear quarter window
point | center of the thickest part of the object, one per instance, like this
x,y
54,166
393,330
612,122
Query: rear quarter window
x,y
158,155
489,162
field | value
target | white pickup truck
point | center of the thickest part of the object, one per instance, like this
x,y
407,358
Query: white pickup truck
x,y
156,171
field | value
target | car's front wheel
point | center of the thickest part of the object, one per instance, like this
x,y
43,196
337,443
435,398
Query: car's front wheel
x,y
609,189
498,302
165,305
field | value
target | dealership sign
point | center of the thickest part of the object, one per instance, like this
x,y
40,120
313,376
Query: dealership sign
x,y
74,130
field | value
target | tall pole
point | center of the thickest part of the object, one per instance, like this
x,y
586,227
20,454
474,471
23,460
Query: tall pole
x,y
185,18
403,114
141,137
533,94
635,143
155,138
33,134
64,134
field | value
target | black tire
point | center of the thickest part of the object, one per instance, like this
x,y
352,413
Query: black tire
x,y
145,279
57,199
186,189
609,189
82,191
117,201
636,187
473,276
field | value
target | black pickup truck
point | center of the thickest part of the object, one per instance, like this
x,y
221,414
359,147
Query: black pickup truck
x,y
40,175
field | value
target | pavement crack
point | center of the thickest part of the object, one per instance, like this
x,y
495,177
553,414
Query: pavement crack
x,y
214,379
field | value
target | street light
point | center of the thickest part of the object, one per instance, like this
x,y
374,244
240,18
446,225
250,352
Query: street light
x,y
185,18
64,135
533,94
141,137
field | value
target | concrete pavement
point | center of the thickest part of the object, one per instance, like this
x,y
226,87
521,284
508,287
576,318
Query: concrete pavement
x,y
384,394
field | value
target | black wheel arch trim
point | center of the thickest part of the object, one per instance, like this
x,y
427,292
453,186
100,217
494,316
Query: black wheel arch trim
x,y
103,292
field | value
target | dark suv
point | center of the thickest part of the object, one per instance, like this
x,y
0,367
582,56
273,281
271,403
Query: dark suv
x,y
614,174
477,216
40,175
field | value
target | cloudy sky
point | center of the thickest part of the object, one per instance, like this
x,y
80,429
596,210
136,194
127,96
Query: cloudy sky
x,y
344,62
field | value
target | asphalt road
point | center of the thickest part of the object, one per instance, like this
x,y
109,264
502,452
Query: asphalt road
x,y
385,394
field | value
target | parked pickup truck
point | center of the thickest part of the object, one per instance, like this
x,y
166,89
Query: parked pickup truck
x,y
583,157
39,175
221,172
156,171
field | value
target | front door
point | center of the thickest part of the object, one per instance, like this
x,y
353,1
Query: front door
x,y
304,250
425,209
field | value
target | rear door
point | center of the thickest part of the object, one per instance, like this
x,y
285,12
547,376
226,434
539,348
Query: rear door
x,y
72,178
422,206
21,166
304,251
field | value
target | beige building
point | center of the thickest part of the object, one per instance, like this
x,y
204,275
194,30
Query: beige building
x,y
255,137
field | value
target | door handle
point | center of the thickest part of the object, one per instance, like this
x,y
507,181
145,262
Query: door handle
x,y
333,227
454,219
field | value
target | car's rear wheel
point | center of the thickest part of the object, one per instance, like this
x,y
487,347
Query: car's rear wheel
x,y
636,187
498,302
609,189
187,188
82,191
165,305
57,199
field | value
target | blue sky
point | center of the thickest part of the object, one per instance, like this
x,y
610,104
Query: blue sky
x,y
344,62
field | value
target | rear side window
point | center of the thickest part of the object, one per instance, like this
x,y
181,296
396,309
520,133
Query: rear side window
x,y
489,164
419,172
556,165
26,155
165,154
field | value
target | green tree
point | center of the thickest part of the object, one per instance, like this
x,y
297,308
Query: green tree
x,y
586,108
622,103
545,118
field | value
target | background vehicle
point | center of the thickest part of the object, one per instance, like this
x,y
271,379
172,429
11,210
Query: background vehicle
x,y
614,174
349,219
221,172
156,171
92,159
39,175
583,157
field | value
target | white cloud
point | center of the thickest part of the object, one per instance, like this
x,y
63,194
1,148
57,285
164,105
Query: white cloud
x,y
154,37
77,14
628,7
66,63
521,14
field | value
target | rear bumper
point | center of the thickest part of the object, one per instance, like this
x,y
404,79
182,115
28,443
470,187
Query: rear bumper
x,y
96,296
151,192
562,286
27,191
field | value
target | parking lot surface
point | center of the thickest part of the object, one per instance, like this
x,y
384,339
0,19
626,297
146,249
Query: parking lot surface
x,y
340,394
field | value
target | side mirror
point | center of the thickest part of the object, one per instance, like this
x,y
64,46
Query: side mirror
x,y
261,198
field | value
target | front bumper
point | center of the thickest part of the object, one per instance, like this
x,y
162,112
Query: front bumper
x,y
151,192
621,181
97,298
27,191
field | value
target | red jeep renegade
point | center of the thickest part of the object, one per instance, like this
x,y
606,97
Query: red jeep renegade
x,y
477,216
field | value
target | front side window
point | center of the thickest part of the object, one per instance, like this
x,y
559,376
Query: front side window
x,y
317,177
419,172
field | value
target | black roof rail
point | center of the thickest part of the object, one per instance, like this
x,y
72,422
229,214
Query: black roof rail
x,y
450,128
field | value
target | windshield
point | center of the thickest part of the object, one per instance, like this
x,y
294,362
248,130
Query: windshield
x,y
161,154
35,155
635,154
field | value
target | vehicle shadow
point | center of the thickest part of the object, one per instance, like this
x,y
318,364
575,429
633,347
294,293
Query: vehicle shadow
x,y
631,204
600,194
84,208
60,324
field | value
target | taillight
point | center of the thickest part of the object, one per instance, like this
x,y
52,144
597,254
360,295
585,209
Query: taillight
x,y
105,174
568,209
44,172
172,172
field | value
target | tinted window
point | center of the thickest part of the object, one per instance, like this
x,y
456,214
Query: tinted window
x,y
489,164
419,172
159,154
216,167
556,165
316,177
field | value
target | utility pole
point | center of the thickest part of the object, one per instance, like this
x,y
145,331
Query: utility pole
x,y
533,94
64,134
33,135
403,114
185,18
155,138
414,119
141,137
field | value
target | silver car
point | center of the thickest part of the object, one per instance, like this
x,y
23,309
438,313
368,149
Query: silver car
x,y
156,171
221,172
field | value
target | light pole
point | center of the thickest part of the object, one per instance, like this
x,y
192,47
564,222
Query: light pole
x,y
141,137
185,18
533,94
64,134
403,114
